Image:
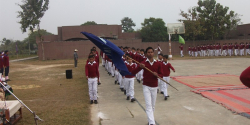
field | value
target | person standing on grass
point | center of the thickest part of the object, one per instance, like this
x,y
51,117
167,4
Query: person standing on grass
x,y
75,57
150,82
6,64
166,66
92,75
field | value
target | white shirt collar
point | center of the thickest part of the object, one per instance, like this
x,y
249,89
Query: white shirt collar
x,y
91,63
165,63
160,60
151,63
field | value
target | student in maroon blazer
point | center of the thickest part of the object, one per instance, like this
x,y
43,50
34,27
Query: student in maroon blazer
x,y
245,77
1,63
150,82
92,75
6,65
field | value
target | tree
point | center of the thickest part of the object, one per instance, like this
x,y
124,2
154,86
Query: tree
x,y
32,38
31,14
216,18
154,30
127,24
192,22
89,23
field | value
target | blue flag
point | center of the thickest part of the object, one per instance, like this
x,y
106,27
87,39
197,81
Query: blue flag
x,y
111,50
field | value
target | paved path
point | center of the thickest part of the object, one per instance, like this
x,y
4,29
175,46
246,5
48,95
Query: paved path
x,y
182,108
16,60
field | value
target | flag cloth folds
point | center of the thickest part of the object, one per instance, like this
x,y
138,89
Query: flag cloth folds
x,y
181,40
111,50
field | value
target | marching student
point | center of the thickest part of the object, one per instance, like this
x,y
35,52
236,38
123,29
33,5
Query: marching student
x,y
6,65
150,82
166,66
229,50
189,50
92,75
236,51
181,50
1,64
195,52
141,59
129,80
242,46
224,47
160,59
93,52
75,57
247,49
102,56
199,50
133,53
158,50
219,47
192,52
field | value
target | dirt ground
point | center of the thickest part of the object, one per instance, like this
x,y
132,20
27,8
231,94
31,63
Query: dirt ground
x,y
43,87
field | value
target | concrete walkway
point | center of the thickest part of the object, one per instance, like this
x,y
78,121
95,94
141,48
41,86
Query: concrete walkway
x,y
182,108
16,60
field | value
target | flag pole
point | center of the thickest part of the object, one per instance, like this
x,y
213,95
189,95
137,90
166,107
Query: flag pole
x,y
152,73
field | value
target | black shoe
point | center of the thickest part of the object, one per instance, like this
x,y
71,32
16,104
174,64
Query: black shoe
x,y
118,83
115,82
91,102
166,98
122,89
7,80
113,76
125,92
99,83
133,99
157,90
139,81
128,98
95,101
109,73
162,93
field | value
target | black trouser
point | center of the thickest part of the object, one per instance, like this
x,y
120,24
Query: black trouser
x,y
7,70
1,71
75,62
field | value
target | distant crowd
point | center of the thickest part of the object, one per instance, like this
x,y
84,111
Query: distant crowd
x,y
227,49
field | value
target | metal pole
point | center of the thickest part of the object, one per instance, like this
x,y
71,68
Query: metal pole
x,y
170,54
29,43
35,116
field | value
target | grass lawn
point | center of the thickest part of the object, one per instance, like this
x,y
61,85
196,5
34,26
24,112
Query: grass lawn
x,y
43,87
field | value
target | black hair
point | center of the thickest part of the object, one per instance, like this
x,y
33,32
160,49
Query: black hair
x,y
165,56
133,48
142,50
149,49
91,56
127,55
160,54
6,51
92,50
138,48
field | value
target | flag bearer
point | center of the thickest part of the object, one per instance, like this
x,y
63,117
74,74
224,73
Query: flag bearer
x,y
150,82
92,75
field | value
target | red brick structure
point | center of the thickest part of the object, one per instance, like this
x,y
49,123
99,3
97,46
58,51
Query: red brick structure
x,y
61,46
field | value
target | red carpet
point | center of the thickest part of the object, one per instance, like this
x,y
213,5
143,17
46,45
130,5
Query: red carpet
x,y
224,89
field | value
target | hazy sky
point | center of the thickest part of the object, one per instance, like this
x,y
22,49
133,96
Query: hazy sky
x,y
76,12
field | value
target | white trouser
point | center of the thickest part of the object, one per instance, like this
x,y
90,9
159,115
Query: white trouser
x,y
122,83
192,53
229,51
129,83
199,52
103,62
160,85
241,52
189,52
217,52
116,75
106,65
195,54
140,74
236,52
224,53
247,52
220,52
165,85
113,70
150,95
210,52
182,53
119,78
110,68
92,82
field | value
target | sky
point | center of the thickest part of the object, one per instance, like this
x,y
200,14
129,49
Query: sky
x,y
76,12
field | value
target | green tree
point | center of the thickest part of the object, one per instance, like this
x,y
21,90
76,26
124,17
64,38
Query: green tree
x,y
32,38
193,26
216,19
89,23
127,24
154,30
31,14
